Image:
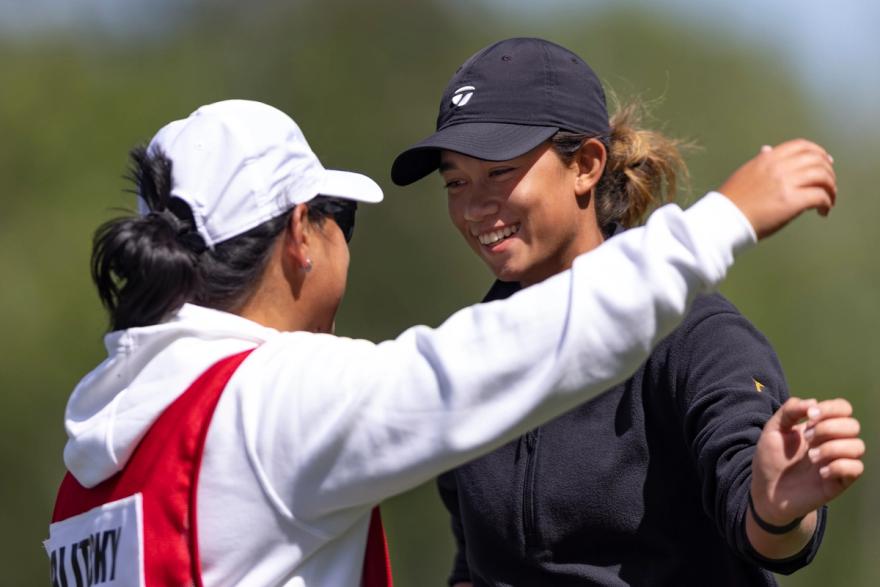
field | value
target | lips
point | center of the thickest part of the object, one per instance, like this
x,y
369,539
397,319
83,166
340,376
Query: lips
x,y
494,236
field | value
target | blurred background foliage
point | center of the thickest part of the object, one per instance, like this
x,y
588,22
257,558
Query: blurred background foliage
x,y
363,80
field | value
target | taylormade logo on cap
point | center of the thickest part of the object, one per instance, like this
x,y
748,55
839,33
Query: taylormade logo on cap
x,y
463,95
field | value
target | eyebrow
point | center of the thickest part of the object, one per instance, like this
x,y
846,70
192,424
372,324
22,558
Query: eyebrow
x,y
446,166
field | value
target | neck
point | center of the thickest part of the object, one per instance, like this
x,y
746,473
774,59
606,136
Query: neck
x,y
586,242
268,310
281,301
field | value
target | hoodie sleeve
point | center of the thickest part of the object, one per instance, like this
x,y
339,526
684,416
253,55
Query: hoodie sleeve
x,y
729,382
340,423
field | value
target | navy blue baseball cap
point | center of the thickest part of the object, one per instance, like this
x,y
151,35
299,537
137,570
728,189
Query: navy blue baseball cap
x,y
504,101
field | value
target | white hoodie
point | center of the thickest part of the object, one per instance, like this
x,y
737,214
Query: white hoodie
x,y
313,430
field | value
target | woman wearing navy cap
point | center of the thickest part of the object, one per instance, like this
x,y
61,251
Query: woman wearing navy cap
x,y
698,470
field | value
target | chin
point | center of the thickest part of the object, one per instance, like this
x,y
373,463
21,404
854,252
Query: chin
x,y
507,273
512,265
526,276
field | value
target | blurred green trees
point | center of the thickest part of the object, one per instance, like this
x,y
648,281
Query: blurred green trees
x,y
363,80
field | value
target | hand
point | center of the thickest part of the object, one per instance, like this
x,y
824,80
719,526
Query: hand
x,y
780,183
799,466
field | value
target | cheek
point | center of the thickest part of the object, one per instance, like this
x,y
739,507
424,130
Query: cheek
x,y
456,214
337,255
344,257
547,224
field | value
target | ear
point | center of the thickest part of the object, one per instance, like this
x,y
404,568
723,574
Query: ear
x,y
590,161
299,236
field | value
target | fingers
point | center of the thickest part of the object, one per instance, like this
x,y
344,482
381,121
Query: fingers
x,y
780,183
845,449
817,174
813,158
830,408
827,419
808,163
832,429
793,411
811,176
833,436
814,169
815,198
844,471
796,147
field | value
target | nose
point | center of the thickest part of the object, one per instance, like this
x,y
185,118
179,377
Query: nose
x,y
479,206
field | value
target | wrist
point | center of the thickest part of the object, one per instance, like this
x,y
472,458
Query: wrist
x,y
772,527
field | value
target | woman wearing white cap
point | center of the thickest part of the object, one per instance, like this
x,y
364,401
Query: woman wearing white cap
x,y
694,471
230,439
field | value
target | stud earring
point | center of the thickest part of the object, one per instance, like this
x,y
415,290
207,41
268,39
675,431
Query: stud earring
x,y
308,266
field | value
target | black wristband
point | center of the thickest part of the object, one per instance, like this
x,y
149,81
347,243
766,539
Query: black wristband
x,y
772,528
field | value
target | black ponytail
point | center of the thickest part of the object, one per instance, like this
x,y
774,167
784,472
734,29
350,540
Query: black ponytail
x,y
146,267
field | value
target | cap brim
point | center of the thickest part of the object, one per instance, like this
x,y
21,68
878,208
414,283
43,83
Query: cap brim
x,y
492,141
350,186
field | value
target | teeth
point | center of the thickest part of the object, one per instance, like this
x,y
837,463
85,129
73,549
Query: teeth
x,y
493,236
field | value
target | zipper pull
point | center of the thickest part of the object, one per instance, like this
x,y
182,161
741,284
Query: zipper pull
x,y
531,439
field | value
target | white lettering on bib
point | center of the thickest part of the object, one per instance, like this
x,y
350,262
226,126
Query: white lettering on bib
x,y
104,546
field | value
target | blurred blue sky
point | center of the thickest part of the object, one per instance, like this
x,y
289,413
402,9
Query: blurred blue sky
x,y
833,47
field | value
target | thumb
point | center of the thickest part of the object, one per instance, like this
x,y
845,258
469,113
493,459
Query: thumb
x,y
792,411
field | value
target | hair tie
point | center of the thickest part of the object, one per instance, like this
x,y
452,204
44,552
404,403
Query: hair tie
x,y
192,240
186,234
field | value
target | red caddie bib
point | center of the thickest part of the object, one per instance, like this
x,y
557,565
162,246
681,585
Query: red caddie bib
x,y
139,528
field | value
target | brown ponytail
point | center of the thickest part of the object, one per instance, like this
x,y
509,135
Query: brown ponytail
x,y
642,171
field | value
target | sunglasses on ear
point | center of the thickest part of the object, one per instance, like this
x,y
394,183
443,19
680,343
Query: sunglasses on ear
x,y
342,211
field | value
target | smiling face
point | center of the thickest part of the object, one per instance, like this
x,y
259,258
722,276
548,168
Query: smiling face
x,y
527,218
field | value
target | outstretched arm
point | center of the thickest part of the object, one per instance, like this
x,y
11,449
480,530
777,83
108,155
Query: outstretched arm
x,y
393,415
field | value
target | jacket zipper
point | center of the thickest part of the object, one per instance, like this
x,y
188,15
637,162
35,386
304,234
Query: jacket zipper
x,y
528,505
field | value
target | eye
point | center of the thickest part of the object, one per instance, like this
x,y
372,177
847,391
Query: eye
x,y
453,183
501,171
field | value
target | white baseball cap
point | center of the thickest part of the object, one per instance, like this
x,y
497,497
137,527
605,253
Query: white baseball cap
x,y
240,163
